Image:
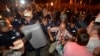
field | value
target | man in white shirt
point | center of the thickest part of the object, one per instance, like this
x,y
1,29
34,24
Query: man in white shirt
x,y
61,33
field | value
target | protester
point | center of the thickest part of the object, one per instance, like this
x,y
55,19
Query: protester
x,y
77,48
59,25
61,33
28,20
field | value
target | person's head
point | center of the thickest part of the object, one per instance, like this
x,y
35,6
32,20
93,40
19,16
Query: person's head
x,y
81,30
62,27
3,26
82,39
72,23
28,15
63,17
44,21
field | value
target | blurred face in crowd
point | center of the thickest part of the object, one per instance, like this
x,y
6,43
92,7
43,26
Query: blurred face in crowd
x,y
44,21
62,27
81,30
28,15
72,25
11,18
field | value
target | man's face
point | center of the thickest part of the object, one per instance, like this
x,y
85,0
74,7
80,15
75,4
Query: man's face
x,y
62,27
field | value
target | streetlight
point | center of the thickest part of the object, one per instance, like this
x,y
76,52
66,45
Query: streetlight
x,y
51,3
22,2
0,16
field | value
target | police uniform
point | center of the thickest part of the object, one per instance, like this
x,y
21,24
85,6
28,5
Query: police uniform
x,y
45,28
73,30
7,38
16,23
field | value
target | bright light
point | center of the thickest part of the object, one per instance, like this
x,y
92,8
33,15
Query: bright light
x,y
22,1
0,16
51,4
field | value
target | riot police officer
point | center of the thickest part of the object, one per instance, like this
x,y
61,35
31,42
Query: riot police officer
x,y
10,40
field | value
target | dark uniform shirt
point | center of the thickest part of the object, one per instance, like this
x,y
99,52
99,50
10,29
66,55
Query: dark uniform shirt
x,y
73,30
45,28
7,38
16,23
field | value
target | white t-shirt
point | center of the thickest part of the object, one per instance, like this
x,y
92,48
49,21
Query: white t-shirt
x,y
93,43
65,34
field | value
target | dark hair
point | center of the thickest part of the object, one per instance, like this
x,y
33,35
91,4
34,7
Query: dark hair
x,y
81,30
82,39
99,31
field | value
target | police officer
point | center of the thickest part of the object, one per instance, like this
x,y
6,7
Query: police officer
x,y
13,21
9,40
72,28
45,26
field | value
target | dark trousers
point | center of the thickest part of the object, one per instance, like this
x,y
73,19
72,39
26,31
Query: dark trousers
x,y
37,51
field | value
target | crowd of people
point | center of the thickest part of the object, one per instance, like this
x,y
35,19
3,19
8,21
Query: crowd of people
x,y
68,33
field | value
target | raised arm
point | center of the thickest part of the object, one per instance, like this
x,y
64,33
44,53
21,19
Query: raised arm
x,y
54,29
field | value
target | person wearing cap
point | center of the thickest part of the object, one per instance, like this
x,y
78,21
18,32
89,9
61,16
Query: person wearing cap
x,y
28,20
9,41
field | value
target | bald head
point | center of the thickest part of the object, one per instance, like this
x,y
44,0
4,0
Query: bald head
x,y
62,27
